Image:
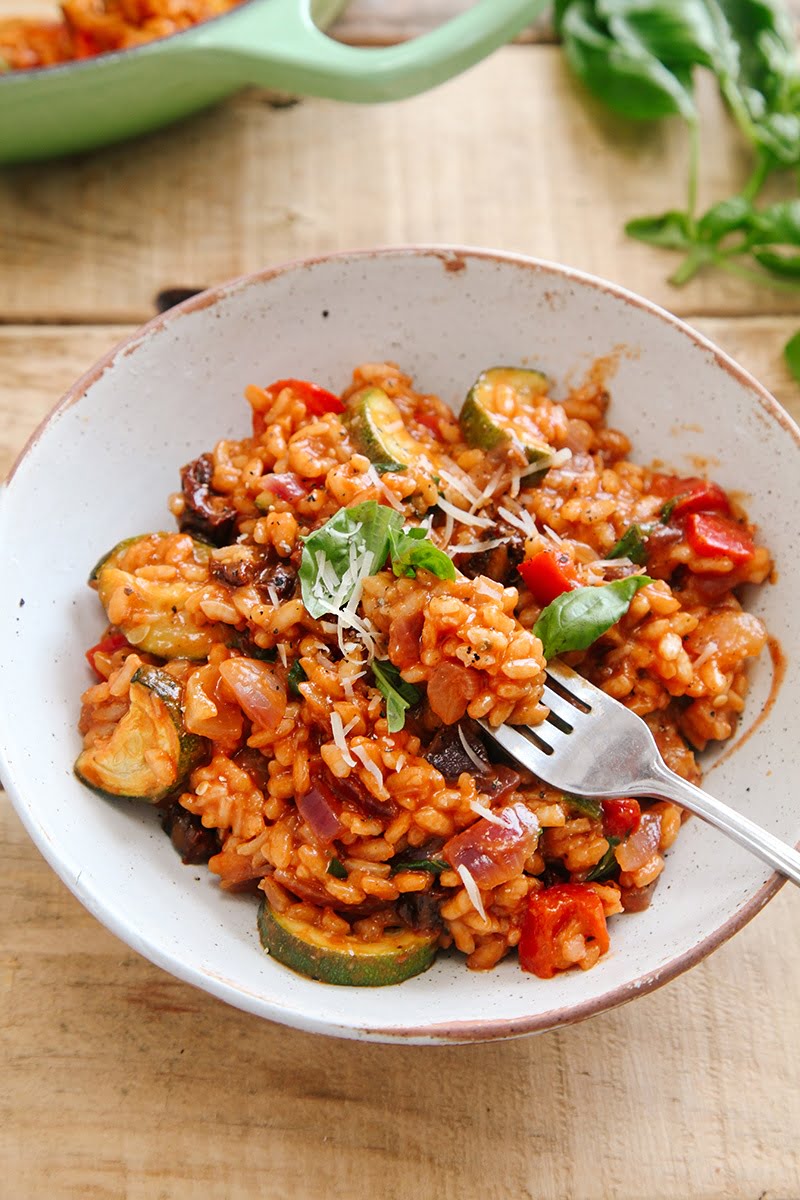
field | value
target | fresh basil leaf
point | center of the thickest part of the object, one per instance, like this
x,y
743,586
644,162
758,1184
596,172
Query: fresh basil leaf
x,y
632,544
666,509
678,32
670,230
791,352
337,869
576,619
777,224
434,865
295,677
728,216
412,550
399,695
383,467
623,74
607,865
785,265
589,808
354,543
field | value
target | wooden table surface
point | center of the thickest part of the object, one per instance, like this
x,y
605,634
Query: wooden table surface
x,y
119,1081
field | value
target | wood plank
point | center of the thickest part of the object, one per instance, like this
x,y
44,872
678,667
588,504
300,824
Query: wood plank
x,y
120,1081
384,22
509,155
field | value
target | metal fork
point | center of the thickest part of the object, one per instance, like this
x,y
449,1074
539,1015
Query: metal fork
x,y
593,746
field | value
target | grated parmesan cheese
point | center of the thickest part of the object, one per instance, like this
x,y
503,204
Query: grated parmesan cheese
x,y
347,684
463,486
338,731
521,520
281,647
374,771
473,891
470,753
708,651
466,518
488,492
476,547
485,812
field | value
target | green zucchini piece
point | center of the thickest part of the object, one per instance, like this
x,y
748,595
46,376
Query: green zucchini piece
x,y
154,722
377,428
159,624
485,420
348,961
112,557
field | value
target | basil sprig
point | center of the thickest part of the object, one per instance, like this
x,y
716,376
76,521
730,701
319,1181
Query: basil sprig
x,y
295,677
639,57
584,804
412,550
356,542
607,865
434,865
576,619
399,695
632,544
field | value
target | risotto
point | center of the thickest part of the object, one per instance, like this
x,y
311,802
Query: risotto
x,y
90,27
297,675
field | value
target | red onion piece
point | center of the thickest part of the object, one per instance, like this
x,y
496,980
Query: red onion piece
x,y
258,688
494,853
286,486
642,845
319,810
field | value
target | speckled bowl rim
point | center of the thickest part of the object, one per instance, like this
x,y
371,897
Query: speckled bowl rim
x,y
454,258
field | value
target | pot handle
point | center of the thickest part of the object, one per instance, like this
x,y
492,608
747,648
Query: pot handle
x,y
277,45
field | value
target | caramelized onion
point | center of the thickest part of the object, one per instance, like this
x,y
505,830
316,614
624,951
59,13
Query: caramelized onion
x,y
320,811
494,853
642,845
450,690
258,688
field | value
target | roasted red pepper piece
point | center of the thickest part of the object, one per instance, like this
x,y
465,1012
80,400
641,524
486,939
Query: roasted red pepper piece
x,y
621,817
316,399
107,645
718,537
549,913
691,495
547,575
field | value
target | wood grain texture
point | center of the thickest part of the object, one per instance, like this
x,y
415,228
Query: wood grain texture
x,y
120,1081
509,155
383,22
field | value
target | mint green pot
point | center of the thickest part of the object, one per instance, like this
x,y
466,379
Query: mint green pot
x,y
269,43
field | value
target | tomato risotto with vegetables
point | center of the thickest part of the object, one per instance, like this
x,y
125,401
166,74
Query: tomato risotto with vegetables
x,y
295,677
86,28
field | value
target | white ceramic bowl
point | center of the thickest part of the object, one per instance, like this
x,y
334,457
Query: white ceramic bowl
x,y
102,465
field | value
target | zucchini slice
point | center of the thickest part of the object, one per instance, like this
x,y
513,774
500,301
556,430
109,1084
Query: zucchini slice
x,y
158,622
149,752
497,411
112,557
347,960
377,428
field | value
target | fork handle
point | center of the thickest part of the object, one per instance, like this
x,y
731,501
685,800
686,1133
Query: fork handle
x,y
772,850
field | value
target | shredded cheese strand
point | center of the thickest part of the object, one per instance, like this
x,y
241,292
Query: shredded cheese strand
x,y
473,891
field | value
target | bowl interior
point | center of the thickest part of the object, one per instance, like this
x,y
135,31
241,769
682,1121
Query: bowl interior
x,y
102,468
